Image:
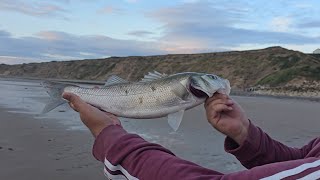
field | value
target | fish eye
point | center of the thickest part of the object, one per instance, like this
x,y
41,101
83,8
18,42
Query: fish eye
x,y
212,76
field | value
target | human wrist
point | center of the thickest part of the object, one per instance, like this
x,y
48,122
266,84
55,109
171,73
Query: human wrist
x,y
242,135
96,130
97,123
97,126
239,139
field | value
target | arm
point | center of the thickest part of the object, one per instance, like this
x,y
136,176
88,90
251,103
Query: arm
x,y
248,143
259,149
128,155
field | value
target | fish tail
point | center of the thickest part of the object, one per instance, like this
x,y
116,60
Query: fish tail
x,y
55,91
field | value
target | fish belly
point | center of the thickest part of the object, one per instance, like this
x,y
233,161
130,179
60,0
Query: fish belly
x,y
134,102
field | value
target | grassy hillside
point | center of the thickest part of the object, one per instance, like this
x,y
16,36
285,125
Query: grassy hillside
x,y
274,66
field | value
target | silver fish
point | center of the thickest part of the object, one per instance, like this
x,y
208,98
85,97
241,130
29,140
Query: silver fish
x,y
156,95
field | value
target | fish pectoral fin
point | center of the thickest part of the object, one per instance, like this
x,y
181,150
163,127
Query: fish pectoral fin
x,y
114,80
175,119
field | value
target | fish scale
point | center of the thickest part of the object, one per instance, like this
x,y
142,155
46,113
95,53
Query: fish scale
x,y
140,101
155,96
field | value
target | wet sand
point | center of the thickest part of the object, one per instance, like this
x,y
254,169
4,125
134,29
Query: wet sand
x,y
58,146
39,149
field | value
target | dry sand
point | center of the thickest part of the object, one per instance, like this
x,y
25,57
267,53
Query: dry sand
x,y
57,146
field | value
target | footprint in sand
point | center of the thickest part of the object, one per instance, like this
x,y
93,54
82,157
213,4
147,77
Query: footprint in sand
x,y
10,149
60,169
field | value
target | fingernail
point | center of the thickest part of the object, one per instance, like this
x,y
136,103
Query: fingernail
x,y
229,101
64,95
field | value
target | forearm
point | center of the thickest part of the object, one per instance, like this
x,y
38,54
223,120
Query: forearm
x,y
129,155
259,149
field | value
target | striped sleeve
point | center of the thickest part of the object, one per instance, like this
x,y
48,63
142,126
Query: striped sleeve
x,y
259,149
128,156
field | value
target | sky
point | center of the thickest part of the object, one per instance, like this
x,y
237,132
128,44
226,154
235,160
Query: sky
x,y
57,30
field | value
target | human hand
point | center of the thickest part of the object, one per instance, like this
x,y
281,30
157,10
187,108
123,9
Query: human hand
x,y
227,116
95,119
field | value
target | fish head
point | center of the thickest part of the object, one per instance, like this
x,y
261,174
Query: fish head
x,y
205,85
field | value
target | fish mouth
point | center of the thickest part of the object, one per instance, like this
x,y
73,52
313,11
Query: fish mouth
x,y
197,92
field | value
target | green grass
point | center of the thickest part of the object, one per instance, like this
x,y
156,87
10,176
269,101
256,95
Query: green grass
x,y
279,77
289,62
311,72
285,62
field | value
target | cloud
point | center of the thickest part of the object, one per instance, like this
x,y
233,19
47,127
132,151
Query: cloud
x,y
203,25
50,35
32,8
304,5
54,45
110,10
4,34
281,24
140,33
17,60
190,1
309,24
199,13
132,1
191,27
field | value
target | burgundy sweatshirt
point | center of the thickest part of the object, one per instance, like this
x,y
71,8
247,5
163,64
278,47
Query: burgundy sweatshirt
x,y
128,156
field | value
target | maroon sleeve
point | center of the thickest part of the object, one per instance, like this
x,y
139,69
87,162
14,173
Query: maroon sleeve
x,y
128,156
259,149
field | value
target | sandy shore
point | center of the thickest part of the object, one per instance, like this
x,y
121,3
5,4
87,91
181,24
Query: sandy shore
x,y
58,146
42,149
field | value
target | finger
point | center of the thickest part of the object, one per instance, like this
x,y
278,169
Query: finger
x,y
72,106
110,114
213,112
114,118
217,108
67,96
76,101
97,107
215,97
220,96
228,102
222,107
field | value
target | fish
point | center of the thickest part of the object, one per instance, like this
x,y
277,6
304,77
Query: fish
x,y
155,95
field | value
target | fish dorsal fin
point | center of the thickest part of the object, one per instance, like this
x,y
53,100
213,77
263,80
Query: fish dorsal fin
x,y
175,119
114,80
151,76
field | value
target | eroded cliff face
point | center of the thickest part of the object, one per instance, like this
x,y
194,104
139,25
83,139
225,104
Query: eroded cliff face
x,y
271,70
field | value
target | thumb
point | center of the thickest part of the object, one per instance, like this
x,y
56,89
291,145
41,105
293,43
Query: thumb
x,y
75,100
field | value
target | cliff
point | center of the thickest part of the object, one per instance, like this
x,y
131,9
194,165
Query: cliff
x,y
272,69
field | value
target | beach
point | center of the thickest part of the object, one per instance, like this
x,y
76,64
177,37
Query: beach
x,y
31,149
57,146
